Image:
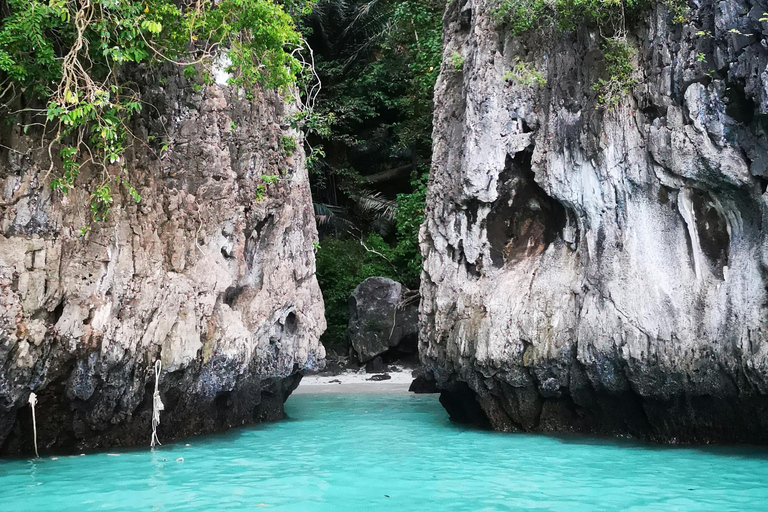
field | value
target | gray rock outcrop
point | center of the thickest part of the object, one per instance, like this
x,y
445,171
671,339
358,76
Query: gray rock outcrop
x,y
594,269
203,274
378,318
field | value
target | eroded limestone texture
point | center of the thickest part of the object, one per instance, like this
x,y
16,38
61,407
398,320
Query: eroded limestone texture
x,y
201,274
602,270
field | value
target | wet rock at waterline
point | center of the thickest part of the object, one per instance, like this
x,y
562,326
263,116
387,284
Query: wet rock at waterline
x,y
601,269
202,274
380,319
423,382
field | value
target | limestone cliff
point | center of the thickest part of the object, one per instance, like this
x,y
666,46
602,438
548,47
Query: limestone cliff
x,y
594,269
204,274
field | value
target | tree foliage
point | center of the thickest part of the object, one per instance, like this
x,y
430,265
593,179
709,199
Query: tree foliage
x,y
70,54
344,262
378,61
524,15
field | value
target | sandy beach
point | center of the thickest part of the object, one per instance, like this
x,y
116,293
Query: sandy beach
x,y
353,382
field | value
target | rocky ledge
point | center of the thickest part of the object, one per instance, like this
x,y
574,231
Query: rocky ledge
x,y
598,268
212,273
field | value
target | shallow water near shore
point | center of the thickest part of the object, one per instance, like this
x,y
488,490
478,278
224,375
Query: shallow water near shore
x,y
393,452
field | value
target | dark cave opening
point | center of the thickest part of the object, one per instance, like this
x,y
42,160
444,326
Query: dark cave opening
x,y
524,220
291,323
712,229
740,107
462,406
231,294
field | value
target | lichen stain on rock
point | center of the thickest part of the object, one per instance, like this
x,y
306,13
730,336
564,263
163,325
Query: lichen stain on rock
x,y
200,274
599,269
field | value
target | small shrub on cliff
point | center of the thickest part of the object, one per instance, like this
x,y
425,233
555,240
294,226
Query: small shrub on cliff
x,y
525,74
457,61
618,53
679,9
524,15
288,145
610,17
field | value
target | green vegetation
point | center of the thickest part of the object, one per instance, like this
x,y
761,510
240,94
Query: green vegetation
x,y
524,15
457,61
344,262
679,9
609,17
68,57
261,188
369,141
288,145
378,61
525,74
618,54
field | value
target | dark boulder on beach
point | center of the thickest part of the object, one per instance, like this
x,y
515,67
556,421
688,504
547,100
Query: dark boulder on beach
x,y
382,318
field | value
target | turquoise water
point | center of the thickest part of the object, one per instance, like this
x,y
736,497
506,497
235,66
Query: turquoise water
x,y
369,452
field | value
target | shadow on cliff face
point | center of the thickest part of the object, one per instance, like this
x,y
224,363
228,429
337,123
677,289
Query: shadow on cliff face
x,y
54,421
524,220
712,230
591,410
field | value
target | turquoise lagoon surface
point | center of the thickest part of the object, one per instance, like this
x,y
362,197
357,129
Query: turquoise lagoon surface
x,y
388,452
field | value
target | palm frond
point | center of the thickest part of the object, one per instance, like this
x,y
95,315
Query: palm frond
x,y
332,218
375,205
348,28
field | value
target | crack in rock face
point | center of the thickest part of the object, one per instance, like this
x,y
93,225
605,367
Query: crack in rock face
x,y
594,269
201,275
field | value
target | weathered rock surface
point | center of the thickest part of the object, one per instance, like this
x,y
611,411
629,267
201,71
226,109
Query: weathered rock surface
x,y
378,320
602,270
375,365
203,274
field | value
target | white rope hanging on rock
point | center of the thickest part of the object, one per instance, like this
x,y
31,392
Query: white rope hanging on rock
x,y
157,405
33,402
